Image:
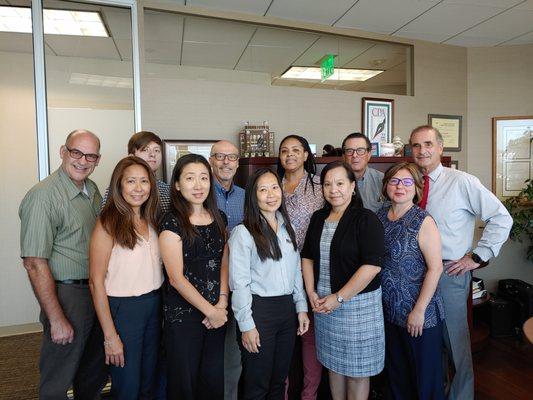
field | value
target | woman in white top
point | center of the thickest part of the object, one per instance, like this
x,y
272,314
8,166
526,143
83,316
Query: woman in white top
x,y
268,300
125,274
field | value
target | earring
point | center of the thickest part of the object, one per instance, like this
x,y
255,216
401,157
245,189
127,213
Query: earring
x,y
353,193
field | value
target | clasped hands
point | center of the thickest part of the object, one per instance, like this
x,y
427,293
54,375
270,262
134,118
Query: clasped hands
x,y
218,315
324,305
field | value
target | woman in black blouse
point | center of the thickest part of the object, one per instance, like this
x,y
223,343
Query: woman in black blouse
x,y
195,292
341,262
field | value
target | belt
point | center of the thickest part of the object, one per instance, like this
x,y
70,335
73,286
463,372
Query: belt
x,y
74,282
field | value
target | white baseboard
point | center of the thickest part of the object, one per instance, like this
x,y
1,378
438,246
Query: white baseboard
x,y
22,329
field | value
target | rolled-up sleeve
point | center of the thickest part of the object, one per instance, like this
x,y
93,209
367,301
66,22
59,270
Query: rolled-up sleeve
x,y
298,294
491,210
240,276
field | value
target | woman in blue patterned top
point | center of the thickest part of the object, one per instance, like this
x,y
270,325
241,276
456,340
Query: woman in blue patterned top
x,y
412,304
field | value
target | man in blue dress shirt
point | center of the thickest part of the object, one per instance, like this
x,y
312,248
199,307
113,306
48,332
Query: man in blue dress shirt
x,y
455,200
224,160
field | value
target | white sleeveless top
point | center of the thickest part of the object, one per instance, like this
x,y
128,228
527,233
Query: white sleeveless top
x,y
137,271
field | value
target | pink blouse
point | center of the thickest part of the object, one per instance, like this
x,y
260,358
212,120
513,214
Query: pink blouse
x,y
301,204
135,272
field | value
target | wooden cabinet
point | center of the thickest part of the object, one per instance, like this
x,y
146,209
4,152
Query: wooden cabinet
x,y
248,165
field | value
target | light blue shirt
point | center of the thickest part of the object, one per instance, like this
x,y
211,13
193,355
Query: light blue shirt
x,y
249,275
369,188
455,199
231,202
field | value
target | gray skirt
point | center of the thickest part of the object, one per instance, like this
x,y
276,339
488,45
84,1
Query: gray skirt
x,y
351,340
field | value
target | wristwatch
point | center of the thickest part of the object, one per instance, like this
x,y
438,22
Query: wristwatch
x,y
477,259
340,299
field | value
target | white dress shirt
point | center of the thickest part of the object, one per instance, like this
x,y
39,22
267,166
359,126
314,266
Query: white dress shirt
x,y
455,200
249,275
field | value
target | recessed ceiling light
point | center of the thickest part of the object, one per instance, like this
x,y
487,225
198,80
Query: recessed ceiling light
x,y
340,74
56,22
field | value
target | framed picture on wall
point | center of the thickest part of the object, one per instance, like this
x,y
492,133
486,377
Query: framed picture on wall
x,y
450,127
378,119
375,150
174,149
454,164
512,154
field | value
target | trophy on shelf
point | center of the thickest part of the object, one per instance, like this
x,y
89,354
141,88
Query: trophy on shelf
x,y
256,141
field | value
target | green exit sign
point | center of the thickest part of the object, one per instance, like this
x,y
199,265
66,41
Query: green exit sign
x,y
327,66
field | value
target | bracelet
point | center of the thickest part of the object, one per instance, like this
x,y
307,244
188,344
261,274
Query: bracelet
x,y
223,294
109,342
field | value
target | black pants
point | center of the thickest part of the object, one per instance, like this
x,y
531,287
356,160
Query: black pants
x,y
264,373
414,365
195,361
80,363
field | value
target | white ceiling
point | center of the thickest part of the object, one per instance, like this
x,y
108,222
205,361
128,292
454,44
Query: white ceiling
x,y
192,41
458,22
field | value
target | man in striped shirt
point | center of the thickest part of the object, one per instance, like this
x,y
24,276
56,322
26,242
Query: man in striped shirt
x,y
57,217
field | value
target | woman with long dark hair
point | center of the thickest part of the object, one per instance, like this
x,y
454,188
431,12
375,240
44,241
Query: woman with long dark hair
x,y
125,275
341,261
267,286
195,292
303,196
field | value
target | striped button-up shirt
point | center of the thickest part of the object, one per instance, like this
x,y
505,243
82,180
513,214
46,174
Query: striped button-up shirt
x,y
57,220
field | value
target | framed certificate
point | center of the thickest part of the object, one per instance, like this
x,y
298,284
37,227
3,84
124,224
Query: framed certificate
x,y
512,154
450,126
378,119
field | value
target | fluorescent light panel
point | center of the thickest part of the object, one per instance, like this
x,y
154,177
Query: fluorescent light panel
x,y
56,22
339,74
101,80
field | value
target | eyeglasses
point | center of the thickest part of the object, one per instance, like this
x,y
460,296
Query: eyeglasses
x,y
222,156
76,154
404,181
360,151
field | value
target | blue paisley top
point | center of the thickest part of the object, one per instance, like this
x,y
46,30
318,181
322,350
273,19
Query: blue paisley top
x,y
404,269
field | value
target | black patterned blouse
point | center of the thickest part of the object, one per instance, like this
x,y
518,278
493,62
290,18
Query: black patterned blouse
x,y
201,267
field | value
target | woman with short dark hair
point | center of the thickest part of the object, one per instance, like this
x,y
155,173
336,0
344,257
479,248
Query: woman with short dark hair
x,y
267,286
412,304
341,261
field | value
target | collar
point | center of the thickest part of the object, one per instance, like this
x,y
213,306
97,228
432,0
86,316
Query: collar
x,y
221,189
434,175
362,178
301,183
71,188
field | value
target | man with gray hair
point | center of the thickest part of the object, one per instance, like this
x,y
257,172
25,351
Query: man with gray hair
x,y
57,217
455,199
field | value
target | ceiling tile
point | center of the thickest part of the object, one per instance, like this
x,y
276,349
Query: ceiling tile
x,y
163,26
524,39
503,27
211,43
380,56
162,52
273,50
118,22
321,12
344,49
82,46
258,7
446,20
383,16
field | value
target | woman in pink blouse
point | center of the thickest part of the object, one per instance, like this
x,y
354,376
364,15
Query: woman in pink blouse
x,y
125,275
303,196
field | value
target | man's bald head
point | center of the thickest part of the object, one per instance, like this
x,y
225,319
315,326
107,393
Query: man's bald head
x,y
81,132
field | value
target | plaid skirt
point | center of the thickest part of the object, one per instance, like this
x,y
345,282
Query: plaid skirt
x,y
351,340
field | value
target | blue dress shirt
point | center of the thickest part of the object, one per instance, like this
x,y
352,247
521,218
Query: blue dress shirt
x,y
231,202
